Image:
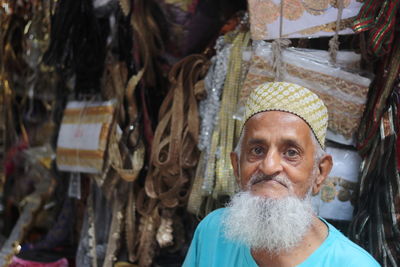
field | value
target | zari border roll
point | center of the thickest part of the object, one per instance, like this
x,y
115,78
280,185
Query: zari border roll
x,y
84,135
343,92
299,18
225,184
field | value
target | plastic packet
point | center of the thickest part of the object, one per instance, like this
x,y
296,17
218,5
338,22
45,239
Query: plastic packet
x,y
342,87
336,197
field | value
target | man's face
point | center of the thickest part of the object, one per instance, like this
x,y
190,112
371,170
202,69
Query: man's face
x,y
276,146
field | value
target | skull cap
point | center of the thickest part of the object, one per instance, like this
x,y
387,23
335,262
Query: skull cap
x,y
291,98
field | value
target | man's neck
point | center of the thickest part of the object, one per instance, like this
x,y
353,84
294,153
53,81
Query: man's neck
x,y
313,239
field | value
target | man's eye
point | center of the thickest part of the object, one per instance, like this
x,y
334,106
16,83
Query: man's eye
x,y
291,153
257,151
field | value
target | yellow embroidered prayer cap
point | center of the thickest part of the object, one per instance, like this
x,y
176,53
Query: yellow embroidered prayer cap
x,y
292,98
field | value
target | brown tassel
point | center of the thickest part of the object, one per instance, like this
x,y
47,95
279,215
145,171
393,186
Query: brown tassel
x,y
125,6
147,230
130,224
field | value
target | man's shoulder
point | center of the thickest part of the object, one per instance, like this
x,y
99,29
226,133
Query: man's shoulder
x,y
210,247
212,221
348,250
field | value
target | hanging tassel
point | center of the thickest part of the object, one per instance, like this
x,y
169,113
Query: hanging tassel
x,y
277,47
125,6
278,65
334,41
333,48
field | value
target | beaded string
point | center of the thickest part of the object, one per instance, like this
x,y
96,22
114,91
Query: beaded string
x,y
214,83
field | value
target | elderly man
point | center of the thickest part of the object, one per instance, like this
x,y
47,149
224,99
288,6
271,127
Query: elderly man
x,y
279,163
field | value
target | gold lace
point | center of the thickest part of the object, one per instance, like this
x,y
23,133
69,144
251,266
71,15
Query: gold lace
x,y
225,182
344,115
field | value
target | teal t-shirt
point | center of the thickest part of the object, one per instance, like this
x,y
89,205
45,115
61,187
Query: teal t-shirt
x,y
210,248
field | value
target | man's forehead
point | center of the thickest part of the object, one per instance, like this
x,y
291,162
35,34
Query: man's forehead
x,y
276,118
273,114
288,127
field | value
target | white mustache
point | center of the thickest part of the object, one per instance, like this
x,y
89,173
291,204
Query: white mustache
x,y
259,177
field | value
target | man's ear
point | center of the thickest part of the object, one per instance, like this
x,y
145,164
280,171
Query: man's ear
x,y
324,168
235,166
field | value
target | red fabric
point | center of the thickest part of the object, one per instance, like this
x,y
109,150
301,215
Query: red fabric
x,y
398,153
17,262
398,138
9,164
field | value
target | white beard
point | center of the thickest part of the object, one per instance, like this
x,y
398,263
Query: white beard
x,y
275,225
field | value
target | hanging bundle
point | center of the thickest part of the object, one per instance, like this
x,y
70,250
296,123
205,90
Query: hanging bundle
x,y
214,179
78,44
149,36
379,18
375,225
209,109
227,130
174,151
173,159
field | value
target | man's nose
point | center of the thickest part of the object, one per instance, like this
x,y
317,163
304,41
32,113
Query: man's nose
x,y
271,164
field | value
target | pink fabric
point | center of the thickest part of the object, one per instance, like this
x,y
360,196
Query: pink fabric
x,y
17,262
